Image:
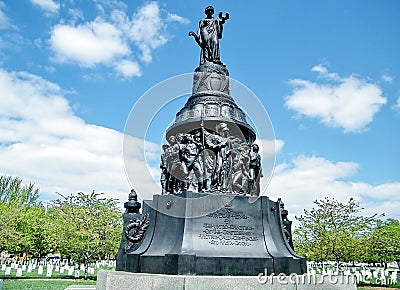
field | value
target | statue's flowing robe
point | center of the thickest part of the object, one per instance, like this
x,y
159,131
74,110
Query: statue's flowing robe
x,y
209,32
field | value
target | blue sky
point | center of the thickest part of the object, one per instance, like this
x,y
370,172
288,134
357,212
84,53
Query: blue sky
x,y
327,72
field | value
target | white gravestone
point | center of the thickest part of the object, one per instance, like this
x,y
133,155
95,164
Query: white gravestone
x,y
77,273
40,270
71,271
62,270
19,272
23,268
29,268
49,271
8,271
3,267
57,268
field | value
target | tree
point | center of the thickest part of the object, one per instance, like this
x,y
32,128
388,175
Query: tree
x,y
333,231
14,193
39,231
9,233
385,241
16,201
89,226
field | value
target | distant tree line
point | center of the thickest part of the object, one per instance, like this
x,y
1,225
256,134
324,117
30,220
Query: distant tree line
x,y
335,231
81,227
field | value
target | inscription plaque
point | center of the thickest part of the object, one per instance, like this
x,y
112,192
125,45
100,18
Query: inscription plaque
x,y
228,227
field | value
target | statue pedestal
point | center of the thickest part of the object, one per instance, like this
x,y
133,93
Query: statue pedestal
x,y
212,234
111,280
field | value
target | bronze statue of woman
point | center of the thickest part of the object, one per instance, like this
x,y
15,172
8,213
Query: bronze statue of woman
x,y
209,33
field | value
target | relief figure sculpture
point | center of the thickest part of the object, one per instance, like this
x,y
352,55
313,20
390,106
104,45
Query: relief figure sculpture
x,y
241,172
221,144
176,168
255,170
191,157
165,176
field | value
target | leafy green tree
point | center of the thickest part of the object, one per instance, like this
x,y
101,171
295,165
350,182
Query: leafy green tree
x,y
333,231
9,233
89,226
14,193
385,241
39,232
16,201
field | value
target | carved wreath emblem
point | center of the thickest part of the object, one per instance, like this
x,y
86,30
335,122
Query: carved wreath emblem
x,y
136,230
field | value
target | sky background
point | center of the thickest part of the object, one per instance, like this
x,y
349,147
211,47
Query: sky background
x,y
327,72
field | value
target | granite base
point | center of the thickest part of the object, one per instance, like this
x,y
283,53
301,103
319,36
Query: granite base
x,y
118,280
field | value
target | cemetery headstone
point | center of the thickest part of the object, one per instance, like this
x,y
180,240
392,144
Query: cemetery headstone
x,y
77,273
29,268
19,272
62,269
70,271
23,267
393,277
8,271
40,270
49,271
3,267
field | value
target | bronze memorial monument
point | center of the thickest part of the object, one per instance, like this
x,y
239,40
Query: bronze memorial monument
x,y
209,218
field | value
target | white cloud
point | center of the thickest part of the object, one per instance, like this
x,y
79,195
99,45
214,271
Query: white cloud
x,y
42,141
38,43
76,15
88,44
306,179
397,105
387,78
349,103
5,22
177,18
270,147
128,68
146,29
113,39
48,6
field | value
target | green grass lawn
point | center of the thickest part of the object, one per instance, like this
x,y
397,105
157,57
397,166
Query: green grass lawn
x,y
42,284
